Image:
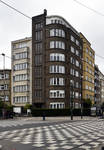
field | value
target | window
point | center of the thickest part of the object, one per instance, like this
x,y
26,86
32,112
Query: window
x,y
20,99
20,77
21,66
72,60
57,105
38,48
6,98
72,71
77,105
6,76
77,42
4,87
76,73
38,35
90,88
80,66
93,56
57,32
21,88
57,69
77,63
2,76
38,83
77,52
87,68
57,57
20,45
72,49
86,87
90,62
76,94
77,85
56,21
72,94
90,71
21,55
90,79
38,60
87,78
86,50
52,44
57,81
87,96
57,44
90,53
72,38
38,71
72,82
57,94
87,59
38,94
38,26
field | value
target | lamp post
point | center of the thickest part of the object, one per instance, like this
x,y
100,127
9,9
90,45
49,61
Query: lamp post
x,y
4,72
81,98
71,99
4,82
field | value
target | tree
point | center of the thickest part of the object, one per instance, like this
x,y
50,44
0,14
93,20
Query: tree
x,y
27,106
102,106
87,103
1,104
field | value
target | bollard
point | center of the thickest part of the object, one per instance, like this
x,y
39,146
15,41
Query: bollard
x,y
43,116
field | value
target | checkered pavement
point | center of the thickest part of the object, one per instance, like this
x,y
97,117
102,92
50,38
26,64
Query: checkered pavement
x,y
78,135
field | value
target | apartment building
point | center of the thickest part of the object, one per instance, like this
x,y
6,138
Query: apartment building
x,y
88,70
21,91
56,63
5,85
101,76
97,87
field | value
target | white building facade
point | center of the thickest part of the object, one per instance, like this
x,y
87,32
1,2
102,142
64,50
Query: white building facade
x,y
21,92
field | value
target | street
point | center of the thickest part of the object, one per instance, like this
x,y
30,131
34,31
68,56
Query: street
x,y
31,134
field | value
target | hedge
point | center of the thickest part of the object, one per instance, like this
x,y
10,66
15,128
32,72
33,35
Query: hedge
x,y
58,112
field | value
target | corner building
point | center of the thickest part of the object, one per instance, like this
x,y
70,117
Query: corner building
x,y
56,63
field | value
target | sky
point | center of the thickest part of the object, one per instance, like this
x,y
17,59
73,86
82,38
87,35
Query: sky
x,y
14,26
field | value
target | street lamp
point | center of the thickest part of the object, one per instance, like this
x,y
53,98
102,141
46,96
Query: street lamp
x,y
81,98
71,99
4,82
4,72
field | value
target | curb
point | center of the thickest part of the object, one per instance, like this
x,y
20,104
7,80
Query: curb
x,y
0,147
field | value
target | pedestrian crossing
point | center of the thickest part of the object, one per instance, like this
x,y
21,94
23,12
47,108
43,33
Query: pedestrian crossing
x,y
81,135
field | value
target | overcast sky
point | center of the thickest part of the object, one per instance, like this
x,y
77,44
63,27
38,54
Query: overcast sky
x,y
14,26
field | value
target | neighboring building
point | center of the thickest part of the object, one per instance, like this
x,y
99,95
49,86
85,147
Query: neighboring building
x,y
97,87
88,70
56,63
101,76
5,85
21,90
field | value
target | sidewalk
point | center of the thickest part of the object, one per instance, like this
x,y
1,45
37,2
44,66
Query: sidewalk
x,y
55,118
0,147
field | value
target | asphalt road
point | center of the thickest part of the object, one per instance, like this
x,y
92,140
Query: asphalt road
x,y
63,134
